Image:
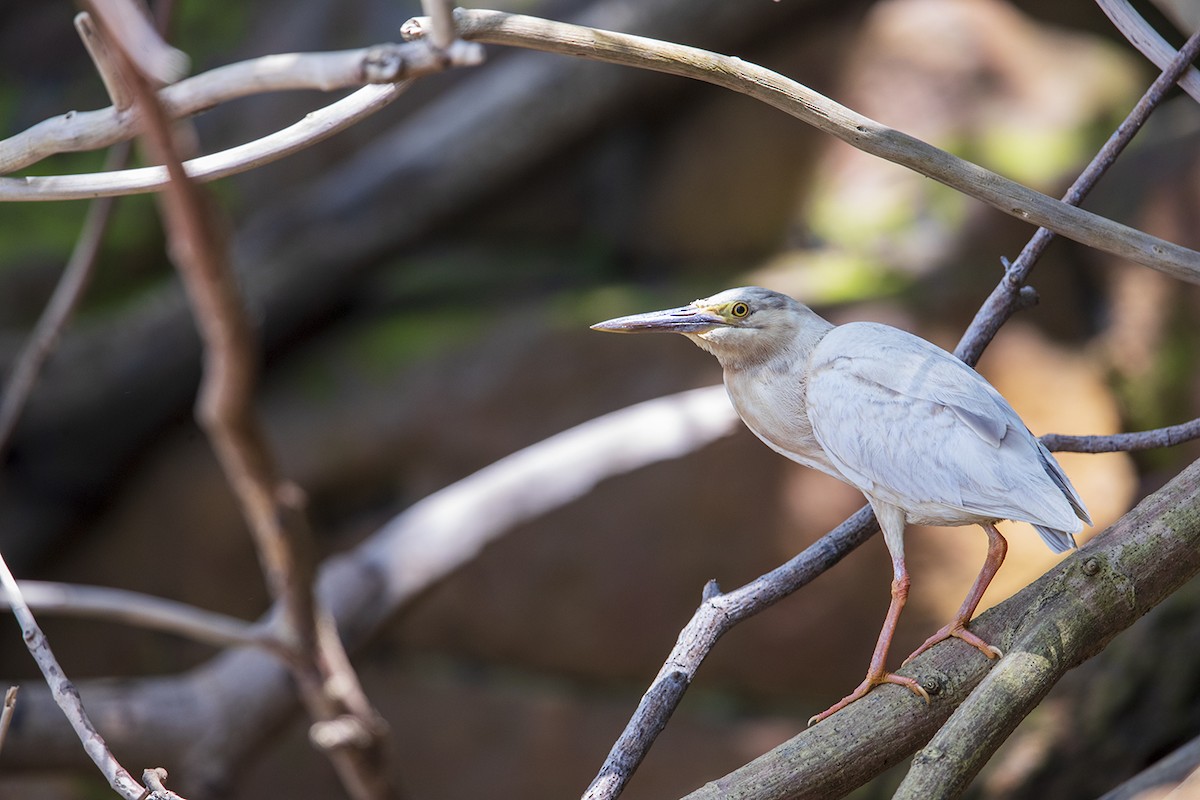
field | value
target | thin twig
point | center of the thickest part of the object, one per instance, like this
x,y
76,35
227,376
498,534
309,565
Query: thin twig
x,y
65,694
1003,300
732,73
315,127
1124,442
142,611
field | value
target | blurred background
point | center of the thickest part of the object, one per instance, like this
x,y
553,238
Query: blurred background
x,y
424,282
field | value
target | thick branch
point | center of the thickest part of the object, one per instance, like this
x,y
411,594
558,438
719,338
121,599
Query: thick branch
x,y
1062,619
801,102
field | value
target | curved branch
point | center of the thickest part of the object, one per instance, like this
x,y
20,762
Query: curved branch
x,y
315,127
732,73
77,131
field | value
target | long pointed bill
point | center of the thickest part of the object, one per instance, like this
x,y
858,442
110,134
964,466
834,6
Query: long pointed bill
x,y
685,319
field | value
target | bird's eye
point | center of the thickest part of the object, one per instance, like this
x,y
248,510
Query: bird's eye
x,y
739,310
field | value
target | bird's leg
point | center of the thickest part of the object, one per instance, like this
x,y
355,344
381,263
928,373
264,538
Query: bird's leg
x,y
876,672
997,549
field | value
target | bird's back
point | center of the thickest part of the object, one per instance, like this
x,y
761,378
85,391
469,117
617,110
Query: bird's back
x,y
911,425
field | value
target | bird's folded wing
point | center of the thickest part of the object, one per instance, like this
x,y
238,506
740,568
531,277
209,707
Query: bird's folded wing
x,y
911,425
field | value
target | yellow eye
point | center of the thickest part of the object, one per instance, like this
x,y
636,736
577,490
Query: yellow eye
x,y
739,310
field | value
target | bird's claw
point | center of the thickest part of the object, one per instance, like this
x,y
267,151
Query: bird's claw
x,y
957,630
866,686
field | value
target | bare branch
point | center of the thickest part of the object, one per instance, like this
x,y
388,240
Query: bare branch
x,y
141,610
315,127
1149,42
65,694
822,113
91,130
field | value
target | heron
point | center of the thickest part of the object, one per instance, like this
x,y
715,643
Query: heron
x,y
922,435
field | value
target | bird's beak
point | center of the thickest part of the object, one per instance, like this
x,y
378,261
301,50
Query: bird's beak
x,y
685,319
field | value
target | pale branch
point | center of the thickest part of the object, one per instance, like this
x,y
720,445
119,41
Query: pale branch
x,y
1004,299
1057,622
143,611
66,696
75,131
245,694
1149,42
793,98
54,317
315,127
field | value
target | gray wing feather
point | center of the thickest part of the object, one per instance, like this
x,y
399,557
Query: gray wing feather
x,y
910,424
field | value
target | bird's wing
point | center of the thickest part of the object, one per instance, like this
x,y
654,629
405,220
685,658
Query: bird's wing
x,y
910,424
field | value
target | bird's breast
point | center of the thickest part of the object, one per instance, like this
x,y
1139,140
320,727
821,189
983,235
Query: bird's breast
x,y
771,403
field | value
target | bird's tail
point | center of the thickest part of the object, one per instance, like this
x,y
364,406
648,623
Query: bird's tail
x,y
1058,541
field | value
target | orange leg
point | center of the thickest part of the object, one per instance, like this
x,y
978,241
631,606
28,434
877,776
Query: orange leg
x,y
876,674
997,549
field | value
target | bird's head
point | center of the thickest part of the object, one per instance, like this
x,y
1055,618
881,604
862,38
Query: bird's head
x,y
741,327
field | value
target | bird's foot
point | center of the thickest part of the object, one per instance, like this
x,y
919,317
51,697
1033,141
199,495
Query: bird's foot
x,y
957,630
866,686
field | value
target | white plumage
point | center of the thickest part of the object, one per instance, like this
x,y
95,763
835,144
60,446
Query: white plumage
x,y
920,433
